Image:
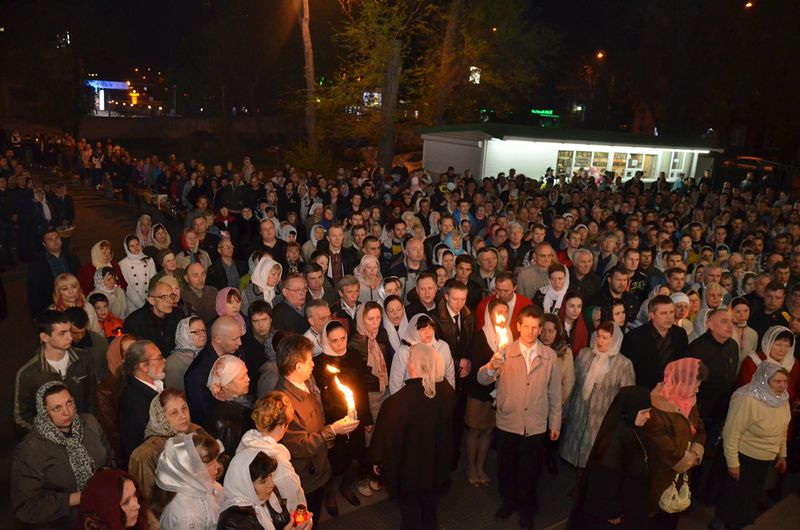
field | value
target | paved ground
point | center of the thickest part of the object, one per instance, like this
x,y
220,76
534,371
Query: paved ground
x,y
464,507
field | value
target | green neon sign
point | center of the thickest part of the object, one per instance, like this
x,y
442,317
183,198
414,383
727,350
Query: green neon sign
x,y
544,113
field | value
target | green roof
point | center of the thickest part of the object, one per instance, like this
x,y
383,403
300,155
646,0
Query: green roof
x,y
505,131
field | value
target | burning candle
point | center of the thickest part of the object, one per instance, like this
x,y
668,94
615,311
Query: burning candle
x,y
502,334
348,394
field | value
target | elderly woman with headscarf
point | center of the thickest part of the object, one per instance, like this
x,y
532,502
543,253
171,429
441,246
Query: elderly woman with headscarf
x,y
54,462
160,241
777,345
421,329
681,302
188,495
613,490
112,501
316,235
700,323
272,415
412,446
102,256
368,274
263,283
169,415
675,433
600,371
253,500
228,416
337,361
644,315
137,269
106,283
754,439
229,303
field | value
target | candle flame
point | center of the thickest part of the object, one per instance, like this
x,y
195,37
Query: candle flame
x,y
348,394
502,332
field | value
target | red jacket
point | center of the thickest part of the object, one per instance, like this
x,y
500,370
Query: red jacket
x,y
521,302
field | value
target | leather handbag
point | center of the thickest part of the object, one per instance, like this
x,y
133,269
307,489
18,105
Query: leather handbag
x,y
676,499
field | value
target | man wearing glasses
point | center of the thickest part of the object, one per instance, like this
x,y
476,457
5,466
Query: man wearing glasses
x,y
290,313
155,321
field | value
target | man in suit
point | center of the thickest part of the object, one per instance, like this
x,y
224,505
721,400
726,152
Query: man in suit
x,y
226,339
144,370
307,437
657,343
529,391
342,260
42,272
455,325
290,313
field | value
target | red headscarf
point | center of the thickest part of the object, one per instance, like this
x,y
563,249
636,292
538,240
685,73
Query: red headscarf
x,y
100,502
680,382
579,334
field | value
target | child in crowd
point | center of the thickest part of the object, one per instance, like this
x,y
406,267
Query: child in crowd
x,y
112,326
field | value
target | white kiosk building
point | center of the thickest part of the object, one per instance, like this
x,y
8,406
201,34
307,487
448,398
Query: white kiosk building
x,y
490,148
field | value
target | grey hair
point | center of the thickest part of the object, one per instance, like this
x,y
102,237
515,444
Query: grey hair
x,y
135,354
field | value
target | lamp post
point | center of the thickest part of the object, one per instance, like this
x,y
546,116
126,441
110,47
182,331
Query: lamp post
x,y
601,56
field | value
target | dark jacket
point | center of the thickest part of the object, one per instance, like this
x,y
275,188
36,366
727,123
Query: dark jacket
x,y
357,355
239,518
722,361
307,437
227,421
587,287
216,277
416,307
412,440
198,397
41,278
134,413
460,344
349,256
146,325
287,318
42,478
638,346
80,380
604,300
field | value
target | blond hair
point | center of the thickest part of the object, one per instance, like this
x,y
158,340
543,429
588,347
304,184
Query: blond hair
x,y
423,360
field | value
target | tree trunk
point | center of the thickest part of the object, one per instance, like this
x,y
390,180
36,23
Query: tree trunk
x,y
444,82
311,93
391,85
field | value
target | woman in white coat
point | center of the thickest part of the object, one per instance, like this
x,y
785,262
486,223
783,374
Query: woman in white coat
x,y
186,480
137,268
421,329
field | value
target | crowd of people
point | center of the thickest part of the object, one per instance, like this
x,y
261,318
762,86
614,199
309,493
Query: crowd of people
x,y
273,344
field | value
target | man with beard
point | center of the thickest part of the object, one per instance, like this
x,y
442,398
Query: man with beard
x,y
144,379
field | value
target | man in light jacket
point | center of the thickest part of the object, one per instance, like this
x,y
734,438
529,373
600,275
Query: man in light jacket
x,y
528,405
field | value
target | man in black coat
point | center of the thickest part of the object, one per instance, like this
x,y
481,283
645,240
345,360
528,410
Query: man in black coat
x,y
582,277
720,353
226,270
426,297
155,320
290,313
411,444
657,343
615,289
225,339
43,271
144,370
343,260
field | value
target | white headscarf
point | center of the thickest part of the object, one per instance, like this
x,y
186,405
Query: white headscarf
x,y
259,278
224,370
553,298
144,239
601,362
129,254
411,335
286,479
759,388
239,490
490,332
327,349
700,323
766,346
181,470
395,334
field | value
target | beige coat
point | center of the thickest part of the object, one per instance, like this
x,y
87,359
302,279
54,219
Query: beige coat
x,y
527,402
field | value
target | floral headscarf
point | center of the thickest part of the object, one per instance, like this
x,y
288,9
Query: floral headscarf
x,y
680,382
183,337
83,466
158,425
375,359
